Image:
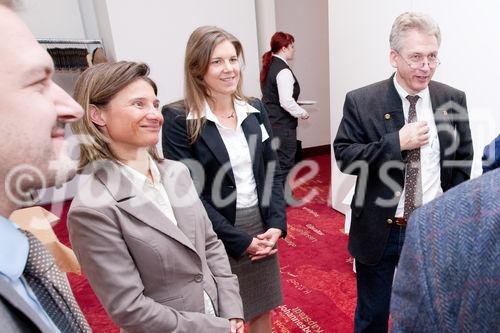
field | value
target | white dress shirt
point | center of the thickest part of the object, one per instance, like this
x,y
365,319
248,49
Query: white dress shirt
x,y
285,81
429,153
239,152
156,193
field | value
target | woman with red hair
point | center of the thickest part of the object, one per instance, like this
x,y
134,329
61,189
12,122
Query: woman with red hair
x,y
280,90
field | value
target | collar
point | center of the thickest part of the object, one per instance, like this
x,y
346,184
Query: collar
x,y
138,178
280,57
14,249
242,109
423,94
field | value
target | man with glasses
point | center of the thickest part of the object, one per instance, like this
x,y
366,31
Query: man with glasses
x,y
407,139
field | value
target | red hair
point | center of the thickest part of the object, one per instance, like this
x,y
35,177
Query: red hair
x,y
278,41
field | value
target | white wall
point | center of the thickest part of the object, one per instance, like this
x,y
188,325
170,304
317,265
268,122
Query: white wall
x,y
89,20
53,18
359,48
307,21
102,18
266,24
469,51
156,32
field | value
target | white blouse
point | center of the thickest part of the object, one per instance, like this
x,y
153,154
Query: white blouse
x,y
239,155
239,152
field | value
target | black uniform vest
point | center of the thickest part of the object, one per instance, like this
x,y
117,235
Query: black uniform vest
x,y
278,116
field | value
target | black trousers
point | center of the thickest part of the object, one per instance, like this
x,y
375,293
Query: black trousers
x,y
286,153
374,284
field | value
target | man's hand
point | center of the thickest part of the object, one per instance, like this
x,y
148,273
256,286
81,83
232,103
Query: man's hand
x,y
236,325
305,115
414,135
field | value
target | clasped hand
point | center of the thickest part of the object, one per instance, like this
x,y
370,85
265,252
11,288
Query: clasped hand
x,y
263,244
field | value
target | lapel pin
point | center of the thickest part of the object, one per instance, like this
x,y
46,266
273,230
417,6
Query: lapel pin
x,y
387,116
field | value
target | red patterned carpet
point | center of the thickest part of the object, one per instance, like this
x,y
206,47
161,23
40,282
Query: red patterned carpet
x,y
318,283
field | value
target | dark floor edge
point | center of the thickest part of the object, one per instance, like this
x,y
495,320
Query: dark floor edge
x,y
315,151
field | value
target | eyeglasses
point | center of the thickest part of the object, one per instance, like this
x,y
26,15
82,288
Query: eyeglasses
x,y
418,61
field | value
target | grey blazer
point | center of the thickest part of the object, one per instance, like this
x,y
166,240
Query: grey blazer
x,y
16,315
148,273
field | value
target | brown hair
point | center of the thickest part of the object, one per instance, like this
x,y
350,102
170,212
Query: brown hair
x,y
278,41
97,85
9,3
199,48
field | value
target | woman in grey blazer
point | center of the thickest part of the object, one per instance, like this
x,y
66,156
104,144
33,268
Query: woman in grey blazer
x,y
137,225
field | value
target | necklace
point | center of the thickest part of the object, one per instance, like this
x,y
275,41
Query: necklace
x,y
231,115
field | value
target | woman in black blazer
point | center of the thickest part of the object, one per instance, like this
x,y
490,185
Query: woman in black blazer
x,y
226,141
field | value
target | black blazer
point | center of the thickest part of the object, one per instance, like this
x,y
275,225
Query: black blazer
x,y
369,131
209,150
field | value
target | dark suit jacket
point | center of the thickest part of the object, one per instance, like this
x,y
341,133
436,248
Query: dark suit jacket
x,y
368,135
148,273
210,151
448,278
16,315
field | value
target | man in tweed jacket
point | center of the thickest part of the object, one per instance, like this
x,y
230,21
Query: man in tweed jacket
x,y
448,278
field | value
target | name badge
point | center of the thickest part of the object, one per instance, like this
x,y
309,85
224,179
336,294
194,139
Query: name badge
x,y
265,135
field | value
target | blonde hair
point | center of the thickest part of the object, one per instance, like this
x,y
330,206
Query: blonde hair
x,y
97,86
412,21
199,48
